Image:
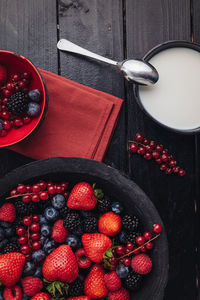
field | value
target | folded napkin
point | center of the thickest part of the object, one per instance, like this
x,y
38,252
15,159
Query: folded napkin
x,y
79,122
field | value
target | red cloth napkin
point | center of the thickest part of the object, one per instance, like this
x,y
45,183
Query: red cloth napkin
x,y
79,122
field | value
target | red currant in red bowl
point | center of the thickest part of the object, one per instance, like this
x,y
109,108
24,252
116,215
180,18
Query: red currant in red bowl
x,y
23,98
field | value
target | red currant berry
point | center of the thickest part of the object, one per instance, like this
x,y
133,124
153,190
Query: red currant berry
x,y
113,261
141,150
27,221
165,151
43,195
21,84
157,228
3,133
28,257
5,114
10,86
168,171
17,89
25,249
159,161
181,172
66,195
127,261
163,167
145,142
149,245
18,122
170,157
22,240
42,185
159,148
133,147
26,82
140,240
6,124
50,183
35,218
172,163
148,148
147,235
152,144
36,245
26,75
14,192
126,251
137,251
35,236
21,189
20,230
139,137
26,199
129,246
51,190
164,157
3,107
148,156
5,100
28,188
26,119
7,93
120,250
35,227
36,188
59,189
64,185
176,169
143,249
35,198
155,154
16,77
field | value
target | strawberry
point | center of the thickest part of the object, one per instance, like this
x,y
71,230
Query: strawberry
x,y
109,223
82,197
61,265
41,296
11,267
14,293
95,244
3,74
7,212
82,260
94,285
79,298
141,264
112,281
121,294
59,232
31,285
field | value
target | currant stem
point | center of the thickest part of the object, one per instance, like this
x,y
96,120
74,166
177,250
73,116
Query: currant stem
x,y
138,143
131,252
19,195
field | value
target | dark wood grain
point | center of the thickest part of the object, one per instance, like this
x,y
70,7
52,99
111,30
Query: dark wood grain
x,y
148,25
97,26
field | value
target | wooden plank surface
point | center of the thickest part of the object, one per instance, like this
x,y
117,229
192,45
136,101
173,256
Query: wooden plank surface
x,y
149,24
97,26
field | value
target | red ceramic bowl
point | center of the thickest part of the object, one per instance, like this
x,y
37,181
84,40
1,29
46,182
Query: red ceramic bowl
x,y
14,64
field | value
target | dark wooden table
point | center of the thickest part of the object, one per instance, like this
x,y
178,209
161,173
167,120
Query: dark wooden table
x,y
120,29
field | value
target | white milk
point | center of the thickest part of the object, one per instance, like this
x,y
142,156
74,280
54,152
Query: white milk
x,y
175,99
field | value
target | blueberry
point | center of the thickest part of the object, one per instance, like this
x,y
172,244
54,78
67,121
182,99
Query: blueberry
x,y
38,256
58,201
1,295
122,237
3,243
29,268
45,230
1,234
34,109
1,124
51,213
117,208
43,220
38,272
49,245
9,232
35,95
72,241
122,271
5,224
43,239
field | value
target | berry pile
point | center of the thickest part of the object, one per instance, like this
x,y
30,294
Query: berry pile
x,y
18,104
57,243
150,150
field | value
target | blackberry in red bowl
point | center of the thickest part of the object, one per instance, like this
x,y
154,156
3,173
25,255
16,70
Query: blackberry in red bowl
x,y
23,98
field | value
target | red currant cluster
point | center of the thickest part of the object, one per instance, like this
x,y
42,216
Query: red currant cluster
x,y
29,235
150,150
40,191
122,255
18,82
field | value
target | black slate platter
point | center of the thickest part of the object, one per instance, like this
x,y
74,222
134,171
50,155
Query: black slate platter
x,y
115,185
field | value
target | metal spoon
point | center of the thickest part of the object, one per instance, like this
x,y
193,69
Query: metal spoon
x,y
134,70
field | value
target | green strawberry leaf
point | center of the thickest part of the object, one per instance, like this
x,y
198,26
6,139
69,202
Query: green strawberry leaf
x,y
98,194
108,253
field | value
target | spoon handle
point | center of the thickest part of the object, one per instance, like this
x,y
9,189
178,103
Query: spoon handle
x,y
66,45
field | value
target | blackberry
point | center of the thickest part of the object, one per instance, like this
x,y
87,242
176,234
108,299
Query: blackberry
x,y
104,204
11,247
17,104
130,222
44,204
133,281
72,221
76,288
131,237
64,211
24,209
90,224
